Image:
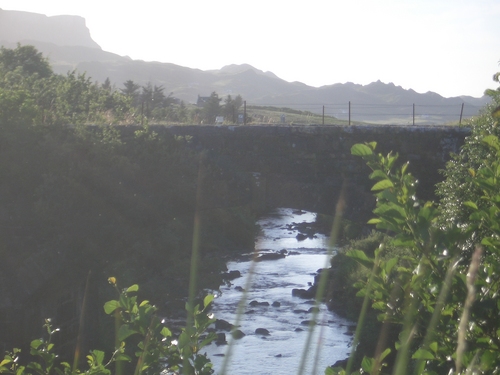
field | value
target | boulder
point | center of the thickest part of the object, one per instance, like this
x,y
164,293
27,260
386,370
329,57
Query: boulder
x,y
231,275
270,256
237,334
303,293
308,322
223,325
262,331
301,237
221,339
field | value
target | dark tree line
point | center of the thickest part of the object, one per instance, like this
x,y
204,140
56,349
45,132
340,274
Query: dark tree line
x,y
30,92
79,198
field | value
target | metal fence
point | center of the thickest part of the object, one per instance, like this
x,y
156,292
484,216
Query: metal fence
x,y
350,113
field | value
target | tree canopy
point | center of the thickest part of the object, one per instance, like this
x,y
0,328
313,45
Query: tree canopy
x,y
33,95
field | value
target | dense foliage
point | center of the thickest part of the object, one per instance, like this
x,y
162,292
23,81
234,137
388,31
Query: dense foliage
x,y
30,93
434,278
77,198
143,344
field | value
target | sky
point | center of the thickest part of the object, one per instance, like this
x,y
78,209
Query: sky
x,y
451,47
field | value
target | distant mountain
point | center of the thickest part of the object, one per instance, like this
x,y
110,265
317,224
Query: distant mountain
x,y
66,41
16,26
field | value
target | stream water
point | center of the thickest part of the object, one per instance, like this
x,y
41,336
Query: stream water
x,y
272,281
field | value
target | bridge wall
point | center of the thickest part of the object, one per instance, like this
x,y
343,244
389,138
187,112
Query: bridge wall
x,y
306,166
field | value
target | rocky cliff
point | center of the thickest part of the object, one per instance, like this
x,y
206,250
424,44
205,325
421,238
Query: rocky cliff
x,y
26,27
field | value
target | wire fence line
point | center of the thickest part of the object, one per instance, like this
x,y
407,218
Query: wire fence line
x,y
351,112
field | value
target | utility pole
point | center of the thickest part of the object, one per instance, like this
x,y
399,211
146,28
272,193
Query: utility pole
x,y
323,115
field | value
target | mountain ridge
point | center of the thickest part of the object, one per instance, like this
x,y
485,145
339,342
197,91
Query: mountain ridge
x,y
76,50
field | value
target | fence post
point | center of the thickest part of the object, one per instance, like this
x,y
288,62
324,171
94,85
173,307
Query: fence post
x,y
349,113
413,114
461,113
244,112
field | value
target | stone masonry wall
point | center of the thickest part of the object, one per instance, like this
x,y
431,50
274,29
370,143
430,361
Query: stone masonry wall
x,y
306,166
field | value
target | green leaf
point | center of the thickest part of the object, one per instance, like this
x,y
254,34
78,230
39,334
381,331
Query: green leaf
x,y
111,306
384,354
374,221
492,141
210,338
390,264
124,332
165,332
35,344
133,288
361,257
99,356
470,204
405,167
367,364
390,211
488,359
378,175
183,340
208,300
434,346
422,354
5,362
122,357
382,185
361,150
35,366
380,305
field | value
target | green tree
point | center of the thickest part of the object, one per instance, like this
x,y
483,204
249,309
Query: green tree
x,y
231,107
212,108
457,186
107,85
131,89
27,59
439,283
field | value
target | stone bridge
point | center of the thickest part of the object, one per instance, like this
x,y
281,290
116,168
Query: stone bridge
x,y
303,167
306,166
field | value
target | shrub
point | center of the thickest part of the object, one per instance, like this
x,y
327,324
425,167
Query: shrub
x,y
442,298
155,351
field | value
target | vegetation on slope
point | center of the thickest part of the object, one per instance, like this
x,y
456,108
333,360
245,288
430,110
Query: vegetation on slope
x,y
433,279
82,198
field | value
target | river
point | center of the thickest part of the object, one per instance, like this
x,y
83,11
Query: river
x,y
272,281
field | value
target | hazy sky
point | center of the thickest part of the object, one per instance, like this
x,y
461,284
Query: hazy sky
x,y
451,47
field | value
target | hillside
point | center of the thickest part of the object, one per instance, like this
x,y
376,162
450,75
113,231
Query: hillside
x,y
67,42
